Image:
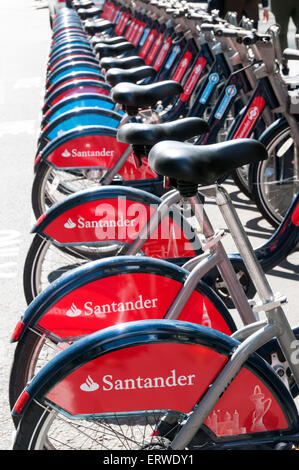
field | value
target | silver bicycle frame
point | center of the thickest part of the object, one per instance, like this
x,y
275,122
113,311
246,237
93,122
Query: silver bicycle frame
x,y
256,335
107,179
199,266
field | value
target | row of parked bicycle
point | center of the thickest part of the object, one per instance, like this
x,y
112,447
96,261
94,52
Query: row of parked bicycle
x,y
149,107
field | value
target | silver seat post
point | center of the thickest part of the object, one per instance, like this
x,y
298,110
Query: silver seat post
x,y
224,266
243,245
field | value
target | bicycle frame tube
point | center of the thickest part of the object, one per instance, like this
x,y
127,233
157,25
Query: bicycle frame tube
x,y
197,68
271,304
107,179
279,87
224,265
235,84
173,197
259,333
219,71
262,97
202,264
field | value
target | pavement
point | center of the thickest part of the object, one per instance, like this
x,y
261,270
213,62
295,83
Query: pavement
x,y
25,41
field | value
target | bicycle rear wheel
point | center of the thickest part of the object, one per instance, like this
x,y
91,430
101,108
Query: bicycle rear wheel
x,y
46,262
51,186
275,181
43,425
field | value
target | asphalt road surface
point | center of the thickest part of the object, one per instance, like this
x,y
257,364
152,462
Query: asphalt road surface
x,y
25,40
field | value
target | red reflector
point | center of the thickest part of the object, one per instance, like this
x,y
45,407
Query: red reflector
x,y
40,219
166,182
37,159
17,331
21,402
295,216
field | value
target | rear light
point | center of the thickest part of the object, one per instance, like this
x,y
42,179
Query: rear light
x,y
295,216
21,402
17,331
40,219
166,182
37,159
61,1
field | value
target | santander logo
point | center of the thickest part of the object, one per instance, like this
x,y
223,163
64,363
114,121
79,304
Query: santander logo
x,y
100,311
109,383
66,154
89,385
83,223
75,153
69,224
73,311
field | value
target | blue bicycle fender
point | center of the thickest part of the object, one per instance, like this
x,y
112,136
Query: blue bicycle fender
x,y
85,116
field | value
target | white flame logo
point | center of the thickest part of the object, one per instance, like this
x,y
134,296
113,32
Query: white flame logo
x,y
66,154
70,224
89,385
73,311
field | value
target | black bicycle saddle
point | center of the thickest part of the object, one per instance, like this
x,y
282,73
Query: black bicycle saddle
x,y
134,75
115,40
113,50
93,27
150,134
204,164
91,12
121,63
139,96
81,4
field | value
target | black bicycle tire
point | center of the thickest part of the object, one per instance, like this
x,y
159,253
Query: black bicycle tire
x,y
19,367
42,169
238,180
254,175
36,414
32,258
